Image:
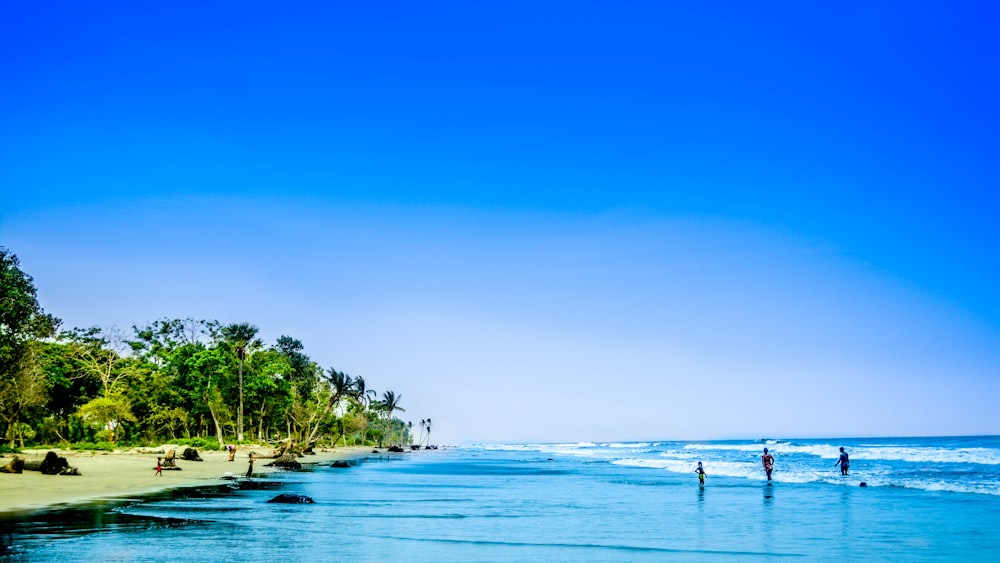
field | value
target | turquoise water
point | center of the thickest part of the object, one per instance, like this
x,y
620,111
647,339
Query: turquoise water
x,y
927,499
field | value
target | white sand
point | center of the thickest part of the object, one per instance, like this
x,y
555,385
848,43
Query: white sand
x,y
116,475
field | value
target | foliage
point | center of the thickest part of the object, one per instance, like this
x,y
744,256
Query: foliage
x,y
99,446
182,381
197,443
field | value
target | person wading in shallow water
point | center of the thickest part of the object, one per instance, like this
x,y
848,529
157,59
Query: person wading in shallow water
x,y
844,462
768,461
250,469
701,474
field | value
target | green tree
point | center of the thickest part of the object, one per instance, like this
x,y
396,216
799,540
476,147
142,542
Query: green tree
x,y
242,339
267,389
205,369
339,386
104,355
22,388
390,404
22,321
304,373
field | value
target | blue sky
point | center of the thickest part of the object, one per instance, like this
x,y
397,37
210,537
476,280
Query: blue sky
x,y
558,222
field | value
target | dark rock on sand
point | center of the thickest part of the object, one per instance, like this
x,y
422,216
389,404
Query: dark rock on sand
x,y
340,463
191,454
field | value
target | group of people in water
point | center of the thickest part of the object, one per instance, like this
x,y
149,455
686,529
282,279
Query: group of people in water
x,y
767,460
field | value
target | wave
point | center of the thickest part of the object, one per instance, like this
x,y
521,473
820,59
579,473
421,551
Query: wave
x,y
913,454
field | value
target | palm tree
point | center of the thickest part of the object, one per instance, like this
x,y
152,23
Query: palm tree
x,y
341,386
423,423
428,425
365,396
390,402
242,338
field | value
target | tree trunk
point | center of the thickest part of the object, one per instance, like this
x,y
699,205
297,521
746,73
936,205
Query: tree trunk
x,y
218,427
319,421
239,415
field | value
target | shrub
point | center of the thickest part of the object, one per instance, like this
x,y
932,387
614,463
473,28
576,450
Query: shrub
x,y
198,442
99,446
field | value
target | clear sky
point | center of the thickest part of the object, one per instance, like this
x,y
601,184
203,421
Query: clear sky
x,y
535,221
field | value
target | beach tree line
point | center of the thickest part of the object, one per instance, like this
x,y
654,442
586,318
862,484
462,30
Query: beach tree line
x,y
201,381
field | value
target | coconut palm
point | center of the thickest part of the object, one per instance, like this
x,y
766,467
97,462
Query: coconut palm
x,y
366,397
341,386
390,403
428,426
242,338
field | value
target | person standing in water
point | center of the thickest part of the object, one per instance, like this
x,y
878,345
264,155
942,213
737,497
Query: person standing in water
x,y
701,474
843,462
768,461
250,469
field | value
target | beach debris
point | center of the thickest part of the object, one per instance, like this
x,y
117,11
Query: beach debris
x,y
52,464
286,461
70,471
191,454
16,465
170,461
285,498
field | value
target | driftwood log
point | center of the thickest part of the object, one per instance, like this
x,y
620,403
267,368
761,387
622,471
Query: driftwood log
x,y
51,464
287,461
170,461
15,465
286,449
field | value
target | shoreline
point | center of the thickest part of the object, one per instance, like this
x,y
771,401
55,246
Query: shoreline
x,y
122,474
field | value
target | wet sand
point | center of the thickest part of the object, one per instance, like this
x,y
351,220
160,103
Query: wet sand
x,y
123,474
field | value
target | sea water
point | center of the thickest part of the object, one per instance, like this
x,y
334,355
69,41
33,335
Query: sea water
x,y
925,499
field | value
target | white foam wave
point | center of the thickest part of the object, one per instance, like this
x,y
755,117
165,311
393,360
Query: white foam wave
x,y
628,445
913,454
982,456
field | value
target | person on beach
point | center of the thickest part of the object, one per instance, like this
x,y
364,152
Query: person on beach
x,y
701,474
232,451
768,461
159,468
843,462
250,469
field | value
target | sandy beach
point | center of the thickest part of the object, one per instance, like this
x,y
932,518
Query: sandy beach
x,y
121,474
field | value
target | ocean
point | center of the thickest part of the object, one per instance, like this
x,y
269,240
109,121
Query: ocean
x,y
925,499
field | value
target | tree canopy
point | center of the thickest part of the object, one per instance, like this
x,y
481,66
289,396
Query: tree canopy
x,y
199,381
